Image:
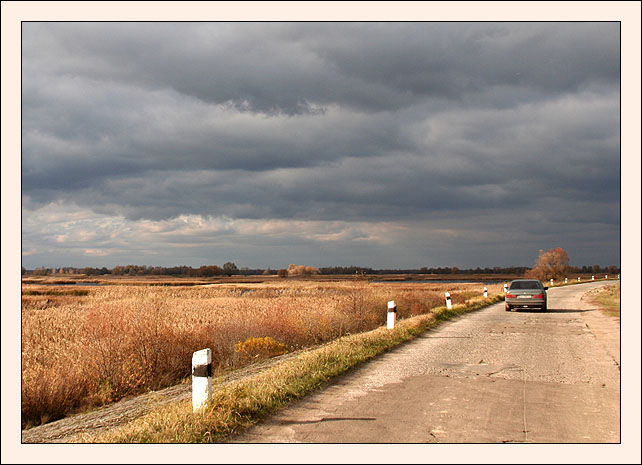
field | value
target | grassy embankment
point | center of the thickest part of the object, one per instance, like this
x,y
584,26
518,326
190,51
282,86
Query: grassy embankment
x,y
242,404
608,300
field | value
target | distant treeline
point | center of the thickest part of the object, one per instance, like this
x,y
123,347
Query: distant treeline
x,y
229,269
514,270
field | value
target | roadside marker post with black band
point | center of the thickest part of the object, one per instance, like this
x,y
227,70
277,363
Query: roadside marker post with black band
x,y
579,279
552,281
449,304
485,291
565,280
505,288
201,379
392,313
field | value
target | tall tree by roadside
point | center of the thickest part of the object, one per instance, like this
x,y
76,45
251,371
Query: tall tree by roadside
x,y
551,264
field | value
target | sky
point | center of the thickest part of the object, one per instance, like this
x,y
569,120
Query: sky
x,y
378,144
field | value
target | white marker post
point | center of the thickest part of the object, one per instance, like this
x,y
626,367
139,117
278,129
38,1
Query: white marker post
x,y
485,291
392,312
579,279
592,278
552,281
201,379
449,304
606,276
505,288
565,280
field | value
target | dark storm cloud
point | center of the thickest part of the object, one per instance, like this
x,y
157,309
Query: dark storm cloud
x,y
364,122
285,67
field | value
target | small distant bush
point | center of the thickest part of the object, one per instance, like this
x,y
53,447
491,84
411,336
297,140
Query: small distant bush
x,y
302,270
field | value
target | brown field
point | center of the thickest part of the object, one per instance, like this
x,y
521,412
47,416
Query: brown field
x,y
85,346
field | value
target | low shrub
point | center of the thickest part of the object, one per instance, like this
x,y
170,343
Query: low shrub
x,y
258,348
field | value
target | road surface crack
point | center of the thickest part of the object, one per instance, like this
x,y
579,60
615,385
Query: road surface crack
x,y
321,420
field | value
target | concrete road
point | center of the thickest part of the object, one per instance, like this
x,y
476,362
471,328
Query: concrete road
x,y
487,377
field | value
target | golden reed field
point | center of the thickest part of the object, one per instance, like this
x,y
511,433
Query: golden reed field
x,y
85,346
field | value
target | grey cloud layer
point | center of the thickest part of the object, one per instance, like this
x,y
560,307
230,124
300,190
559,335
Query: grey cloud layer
x,y
323,121
285,67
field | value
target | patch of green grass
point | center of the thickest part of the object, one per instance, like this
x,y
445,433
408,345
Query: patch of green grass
x,y
608,300
242,404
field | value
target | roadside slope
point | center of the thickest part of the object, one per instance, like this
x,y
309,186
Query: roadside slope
x,y
122,412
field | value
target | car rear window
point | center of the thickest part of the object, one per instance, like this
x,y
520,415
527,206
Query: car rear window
x,y
526,285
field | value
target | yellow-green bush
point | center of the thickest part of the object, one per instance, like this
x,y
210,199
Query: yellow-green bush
x,y
257,348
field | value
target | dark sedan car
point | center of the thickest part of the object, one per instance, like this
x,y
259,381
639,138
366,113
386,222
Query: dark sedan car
x,y
526,293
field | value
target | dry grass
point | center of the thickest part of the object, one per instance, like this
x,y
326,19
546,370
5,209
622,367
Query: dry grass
x,y
84,349
608,300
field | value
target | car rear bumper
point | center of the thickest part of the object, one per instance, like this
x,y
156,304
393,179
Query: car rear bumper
x,y
526,303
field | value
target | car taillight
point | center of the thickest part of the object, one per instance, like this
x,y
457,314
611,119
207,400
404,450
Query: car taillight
x,y
538,296
509,295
